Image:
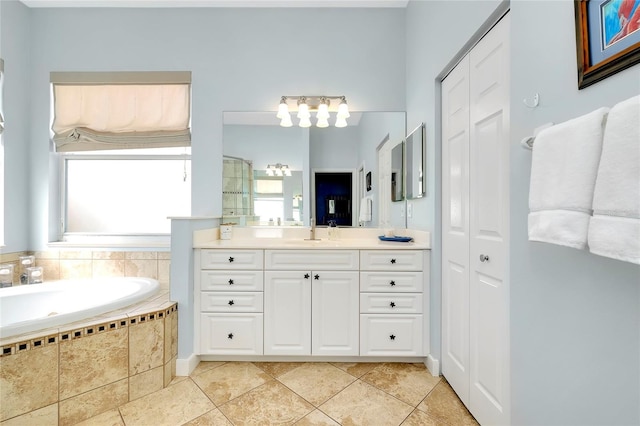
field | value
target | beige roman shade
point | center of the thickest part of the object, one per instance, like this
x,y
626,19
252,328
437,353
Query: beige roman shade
x,y
98,111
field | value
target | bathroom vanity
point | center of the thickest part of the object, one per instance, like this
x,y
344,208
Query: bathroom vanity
x,y
285,298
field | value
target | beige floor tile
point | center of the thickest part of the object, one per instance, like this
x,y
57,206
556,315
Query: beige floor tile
x,y
362,404
418,418
269,404
230,380
205,366
356,369
109,418
212,418
443,404
316,382
44,416
277,369
174,405
316,418
407,382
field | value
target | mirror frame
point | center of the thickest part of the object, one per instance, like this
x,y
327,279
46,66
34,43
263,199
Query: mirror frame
x,y
398,179
418,166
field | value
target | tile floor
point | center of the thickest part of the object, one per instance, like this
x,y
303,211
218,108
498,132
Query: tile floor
x,y
268,393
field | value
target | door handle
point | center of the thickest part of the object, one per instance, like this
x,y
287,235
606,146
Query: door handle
x,y
484,258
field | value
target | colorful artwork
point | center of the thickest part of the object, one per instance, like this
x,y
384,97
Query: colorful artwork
x,y
620,18
607,38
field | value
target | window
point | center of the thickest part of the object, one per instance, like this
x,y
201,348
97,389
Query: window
x,y
123,140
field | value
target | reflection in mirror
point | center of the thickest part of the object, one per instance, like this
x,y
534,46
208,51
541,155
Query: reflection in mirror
x,y
396,173
415,150
256,138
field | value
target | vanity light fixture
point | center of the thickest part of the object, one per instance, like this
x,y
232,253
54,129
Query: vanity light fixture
x,y
278,169
307,104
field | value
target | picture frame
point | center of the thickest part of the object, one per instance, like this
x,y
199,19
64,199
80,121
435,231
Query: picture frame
x,y
607,38
368,181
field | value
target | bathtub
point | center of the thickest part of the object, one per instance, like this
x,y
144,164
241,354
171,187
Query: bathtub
x,y
29,308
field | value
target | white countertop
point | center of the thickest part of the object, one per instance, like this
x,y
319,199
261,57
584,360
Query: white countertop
x,y
284,239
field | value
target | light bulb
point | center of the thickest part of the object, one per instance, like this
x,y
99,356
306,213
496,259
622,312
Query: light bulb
x,y
283,108
287,172
303,109
323,110
305,122
343,109
286,121
341,122
322,122
269,172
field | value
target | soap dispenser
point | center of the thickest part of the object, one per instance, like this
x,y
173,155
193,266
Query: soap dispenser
x,y
333,230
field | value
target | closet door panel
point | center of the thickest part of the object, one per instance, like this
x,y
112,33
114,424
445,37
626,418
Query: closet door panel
x,y
455,229
489,226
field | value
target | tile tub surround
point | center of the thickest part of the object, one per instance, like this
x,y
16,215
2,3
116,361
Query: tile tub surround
x,y
71,264
67,375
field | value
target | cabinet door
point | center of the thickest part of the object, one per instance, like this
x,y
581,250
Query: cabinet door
x,y
335,313
287,318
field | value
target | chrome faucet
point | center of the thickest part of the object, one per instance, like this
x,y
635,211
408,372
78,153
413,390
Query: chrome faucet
x,y
312,230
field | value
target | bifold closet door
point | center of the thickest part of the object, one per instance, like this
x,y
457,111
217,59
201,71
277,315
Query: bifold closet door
x,y
475,221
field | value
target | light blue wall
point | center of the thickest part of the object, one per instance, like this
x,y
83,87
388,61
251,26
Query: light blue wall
x,y
436,32
16,36
575,317
241,59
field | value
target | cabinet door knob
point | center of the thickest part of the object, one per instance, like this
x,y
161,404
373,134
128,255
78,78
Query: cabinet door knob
x,y
484,258
230,282
392,304
230,259
306,276
393,261
231,303
316,277
230,336
392,337
392,283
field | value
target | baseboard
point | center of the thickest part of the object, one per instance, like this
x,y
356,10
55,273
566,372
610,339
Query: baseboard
x,y
184,366
433,365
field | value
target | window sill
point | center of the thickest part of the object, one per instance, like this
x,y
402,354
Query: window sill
x,y
119,243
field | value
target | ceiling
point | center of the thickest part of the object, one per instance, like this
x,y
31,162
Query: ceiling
x,y
216,3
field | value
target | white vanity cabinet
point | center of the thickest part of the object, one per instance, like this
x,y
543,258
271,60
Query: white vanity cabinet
x,y
229,289
311,302
392,302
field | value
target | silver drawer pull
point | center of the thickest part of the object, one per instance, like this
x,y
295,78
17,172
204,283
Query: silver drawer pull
x,y
484,258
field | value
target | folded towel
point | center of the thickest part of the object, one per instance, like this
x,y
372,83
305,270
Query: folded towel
x,y
563,174
366,208
614,229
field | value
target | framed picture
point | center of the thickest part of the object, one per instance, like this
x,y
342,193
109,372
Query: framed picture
x,y
368,181
607,38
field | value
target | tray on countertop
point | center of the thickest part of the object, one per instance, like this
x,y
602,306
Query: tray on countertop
x,y
396,238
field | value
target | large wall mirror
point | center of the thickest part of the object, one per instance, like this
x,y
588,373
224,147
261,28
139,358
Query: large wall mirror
x,y
415,163
270,173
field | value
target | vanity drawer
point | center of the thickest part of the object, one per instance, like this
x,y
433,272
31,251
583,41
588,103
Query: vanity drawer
x,y
231,259
231,334
394,282
232,280
311,260
391,260
390,335
401,303
222,301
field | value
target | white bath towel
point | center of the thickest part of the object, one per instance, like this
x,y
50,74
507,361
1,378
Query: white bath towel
x,y
614,229
366,208
563,174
